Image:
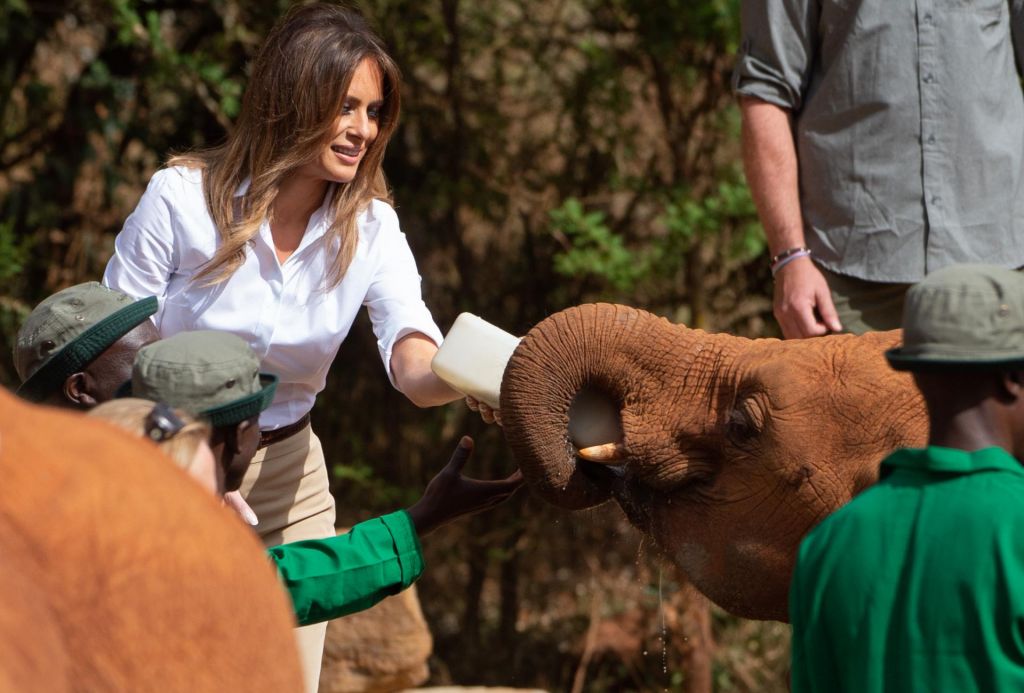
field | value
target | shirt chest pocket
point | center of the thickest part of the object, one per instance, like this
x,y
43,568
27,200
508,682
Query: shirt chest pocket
x,y
182,309
987,9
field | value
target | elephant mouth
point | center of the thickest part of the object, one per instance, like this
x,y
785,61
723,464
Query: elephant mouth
x,y
599,455
596,435
587,416
561,394
595,423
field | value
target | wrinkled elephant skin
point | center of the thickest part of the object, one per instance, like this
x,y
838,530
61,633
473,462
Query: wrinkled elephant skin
x,y
732,448
120,573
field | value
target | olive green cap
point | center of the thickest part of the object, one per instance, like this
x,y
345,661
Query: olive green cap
x,y
210,374
964,317
67,331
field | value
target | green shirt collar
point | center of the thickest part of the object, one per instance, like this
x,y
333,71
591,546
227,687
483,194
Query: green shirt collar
x,y
952,461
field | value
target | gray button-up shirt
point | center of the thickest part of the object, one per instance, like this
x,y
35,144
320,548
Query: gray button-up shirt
x,y
909,127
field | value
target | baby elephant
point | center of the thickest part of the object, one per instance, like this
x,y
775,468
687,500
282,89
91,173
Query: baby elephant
x,y
725,450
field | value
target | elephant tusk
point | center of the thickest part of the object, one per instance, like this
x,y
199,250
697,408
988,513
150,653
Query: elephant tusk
x,y
609,453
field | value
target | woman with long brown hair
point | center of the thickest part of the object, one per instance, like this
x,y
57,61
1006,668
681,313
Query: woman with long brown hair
x,y
279,235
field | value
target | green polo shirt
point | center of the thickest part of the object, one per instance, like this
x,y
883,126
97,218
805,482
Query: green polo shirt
x,y
918,583
328,578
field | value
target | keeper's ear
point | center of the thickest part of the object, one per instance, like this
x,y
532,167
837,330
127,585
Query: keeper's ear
x,y
1013,383
76,391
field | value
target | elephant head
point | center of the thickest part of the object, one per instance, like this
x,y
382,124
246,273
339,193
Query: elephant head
x,y
731,448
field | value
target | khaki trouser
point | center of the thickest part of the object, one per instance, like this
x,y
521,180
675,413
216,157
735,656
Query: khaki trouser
x,y
287,487
865,306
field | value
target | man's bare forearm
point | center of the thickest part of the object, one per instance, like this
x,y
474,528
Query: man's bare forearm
x,y
769,159
802,302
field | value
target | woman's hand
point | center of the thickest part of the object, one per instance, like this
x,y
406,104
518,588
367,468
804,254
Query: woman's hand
x,y
491,416
450,495
235,501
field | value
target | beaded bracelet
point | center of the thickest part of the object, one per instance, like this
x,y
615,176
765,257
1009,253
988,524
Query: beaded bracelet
x,y
786,253
786,257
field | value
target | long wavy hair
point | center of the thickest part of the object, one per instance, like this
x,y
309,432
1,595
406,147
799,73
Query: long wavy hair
x,y
296,92
130,413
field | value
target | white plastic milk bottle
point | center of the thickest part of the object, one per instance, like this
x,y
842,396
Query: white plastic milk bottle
x,y
473,356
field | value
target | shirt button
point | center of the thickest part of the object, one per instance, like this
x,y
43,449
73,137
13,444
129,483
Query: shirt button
x,y
935,199
931,139
928,78
928,18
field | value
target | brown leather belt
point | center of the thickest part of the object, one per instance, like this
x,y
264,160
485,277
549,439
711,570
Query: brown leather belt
x,y
279,434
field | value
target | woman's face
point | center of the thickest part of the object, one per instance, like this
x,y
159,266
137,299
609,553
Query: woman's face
x,y
355,128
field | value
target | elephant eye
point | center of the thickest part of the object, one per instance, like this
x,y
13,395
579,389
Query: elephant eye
x,y
744,422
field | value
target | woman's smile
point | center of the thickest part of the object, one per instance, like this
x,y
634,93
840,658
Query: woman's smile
x,y
349,156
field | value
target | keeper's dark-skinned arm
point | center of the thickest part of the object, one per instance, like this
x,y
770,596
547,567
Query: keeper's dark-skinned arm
x,y
450,495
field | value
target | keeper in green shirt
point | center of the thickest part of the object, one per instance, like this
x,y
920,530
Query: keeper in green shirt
x,y
215,376
918,583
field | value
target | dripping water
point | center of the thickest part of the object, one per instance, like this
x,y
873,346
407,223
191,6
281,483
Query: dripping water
x,y
664,638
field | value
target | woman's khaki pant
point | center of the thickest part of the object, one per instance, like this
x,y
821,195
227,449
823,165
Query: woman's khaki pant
x,y
287,487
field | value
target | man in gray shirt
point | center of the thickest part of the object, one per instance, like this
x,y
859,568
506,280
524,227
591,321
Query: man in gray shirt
x,y
883,139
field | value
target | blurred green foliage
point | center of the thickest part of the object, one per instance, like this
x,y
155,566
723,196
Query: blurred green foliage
x,y
14,251
691,221
593,249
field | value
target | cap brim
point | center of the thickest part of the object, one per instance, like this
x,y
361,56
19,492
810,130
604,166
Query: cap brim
x,y
900,360
84,349
245,408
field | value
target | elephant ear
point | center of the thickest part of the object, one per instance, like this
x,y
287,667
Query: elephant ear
x,y
580,349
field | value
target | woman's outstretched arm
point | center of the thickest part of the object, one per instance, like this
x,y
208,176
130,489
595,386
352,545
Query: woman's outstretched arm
x,y
410,365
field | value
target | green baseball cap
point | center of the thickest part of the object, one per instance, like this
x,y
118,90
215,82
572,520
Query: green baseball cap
x,y
964,317
210,374
67,331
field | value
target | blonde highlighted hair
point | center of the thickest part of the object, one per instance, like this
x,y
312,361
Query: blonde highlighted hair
x,y
296,92
130,413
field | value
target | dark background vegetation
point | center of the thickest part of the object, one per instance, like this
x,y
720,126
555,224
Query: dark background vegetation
x,y
551,152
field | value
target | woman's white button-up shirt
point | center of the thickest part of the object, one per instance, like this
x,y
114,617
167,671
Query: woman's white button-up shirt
x,y
287,312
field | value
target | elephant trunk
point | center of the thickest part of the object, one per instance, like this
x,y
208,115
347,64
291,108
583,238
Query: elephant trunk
x,y
565,388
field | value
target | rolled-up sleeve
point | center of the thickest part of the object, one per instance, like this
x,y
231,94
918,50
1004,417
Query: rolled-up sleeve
x,y
779,38
145,254
394,300
328,578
